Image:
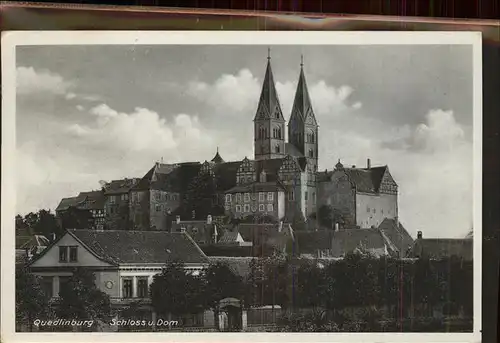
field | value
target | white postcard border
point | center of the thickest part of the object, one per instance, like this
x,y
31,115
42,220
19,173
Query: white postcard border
x,y
12,39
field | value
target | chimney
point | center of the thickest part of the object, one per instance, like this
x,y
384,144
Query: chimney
x,y
178,219
280,228
209,219
419,235
368,163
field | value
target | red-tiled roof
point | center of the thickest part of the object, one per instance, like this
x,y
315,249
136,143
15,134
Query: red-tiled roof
x,y
124,247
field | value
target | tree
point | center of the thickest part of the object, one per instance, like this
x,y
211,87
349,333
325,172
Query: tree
x,y
328,217
174,291
75,218
80,298
220,283
43,222
31,301
311,285
203,198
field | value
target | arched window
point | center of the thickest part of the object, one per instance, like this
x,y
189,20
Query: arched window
x,y
311,153
312,137
262,132
279,132
277,148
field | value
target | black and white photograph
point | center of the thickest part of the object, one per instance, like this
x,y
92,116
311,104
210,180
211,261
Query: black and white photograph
x,y
272,182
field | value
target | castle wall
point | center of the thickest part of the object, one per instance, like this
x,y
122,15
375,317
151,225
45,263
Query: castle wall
x,y
373,209
116,208
160,204
139,210
340,194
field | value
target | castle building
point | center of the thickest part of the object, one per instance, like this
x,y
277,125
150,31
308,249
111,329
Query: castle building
x,y
281,180
364,196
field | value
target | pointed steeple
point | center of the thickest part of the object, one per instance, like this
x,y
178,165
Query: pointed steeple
x,y
269,105
302,106
217,158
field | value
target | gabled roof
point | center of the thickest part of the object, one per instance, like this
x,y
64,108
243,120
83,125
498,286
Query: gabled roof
x,y
347,241
35,241
95,199
437,248
270,166
397,235
366,180
169,177
268,102
120,186
129,247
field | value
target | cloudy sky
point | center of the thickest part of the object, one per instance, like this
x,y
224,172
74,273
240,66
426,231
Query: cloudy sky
x,y
90,113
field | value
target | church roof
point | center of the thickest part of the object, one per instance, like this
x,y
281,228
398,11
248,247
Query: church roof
x,y
268,102
302,106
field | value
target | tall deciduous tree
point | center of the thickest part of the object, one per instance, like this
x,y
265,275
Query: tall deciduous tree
x,y
75,218
176,292
43,222
80,298
221,282
31,301
328,216
203,198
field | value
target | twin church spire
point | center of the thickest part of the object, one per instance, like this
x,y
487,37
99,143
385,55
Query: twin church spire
x,y
269,122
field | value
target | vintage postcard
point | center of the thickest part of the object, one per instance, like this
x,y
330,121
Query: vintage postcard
x,y
241,186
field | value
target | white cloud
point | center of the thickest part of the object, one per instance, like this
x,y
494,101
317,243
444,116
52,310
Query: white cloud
x,y
237,92
440,132
29,80
240,95
432,164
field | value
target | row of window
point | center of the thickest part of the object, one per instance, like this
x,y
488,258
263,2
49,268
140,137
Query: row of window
x,y
68,254
374,210
246,208
246,197
114,198
264,133
47,284
97,213
142,287
166,197
160,207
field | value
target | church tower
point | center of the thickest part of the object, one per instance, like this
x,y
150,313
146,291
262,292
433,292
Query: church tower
x,y
303,127
269,123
